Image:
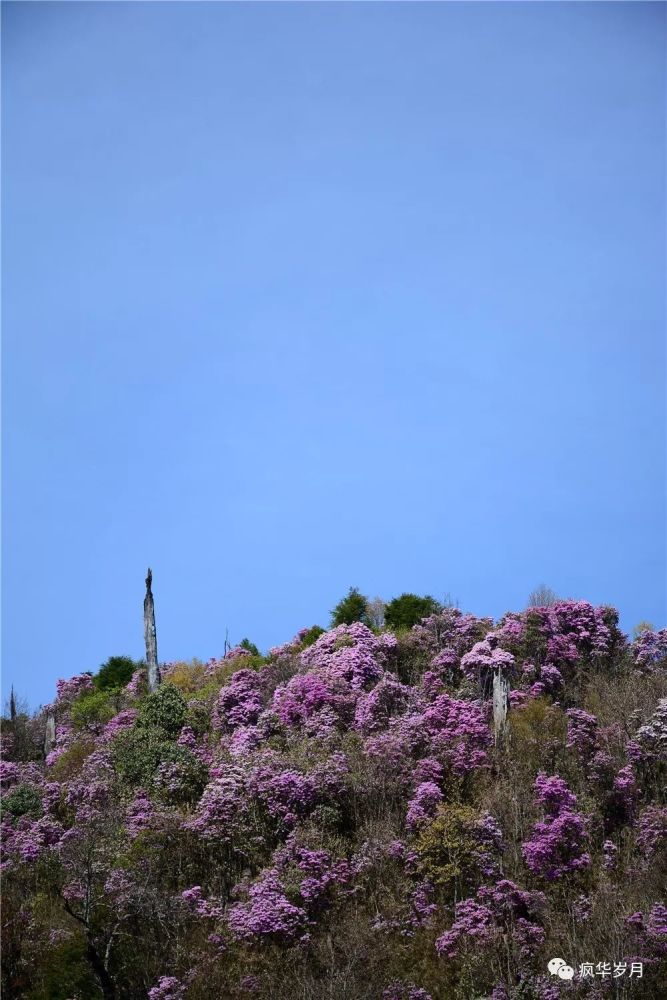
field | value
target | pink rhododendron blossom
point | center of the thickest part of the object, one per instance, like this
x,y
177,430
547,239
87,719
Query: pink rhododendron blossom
x,y
268,913
167,988
650,650
240,701
423,805
556,847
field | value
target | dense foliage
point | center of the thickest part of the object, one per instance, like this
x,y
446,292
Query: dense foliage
x,y
408,610
115,673
334,820
351,608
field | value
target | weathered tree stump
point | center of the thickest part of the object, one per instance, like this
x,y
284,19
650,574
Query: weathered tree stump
x,y
501,703
50,734
150,636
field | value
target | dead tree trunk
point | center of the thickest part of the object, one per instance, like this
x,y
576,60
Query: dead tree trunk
x,y
98,966
150,636
501,702
50,734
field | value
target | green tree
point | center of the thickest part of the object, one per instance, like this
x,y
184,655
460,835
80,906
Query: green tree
x,y
93,708
115,673
164,711
138,753
352,608
312,635
250,646
449,849
409,609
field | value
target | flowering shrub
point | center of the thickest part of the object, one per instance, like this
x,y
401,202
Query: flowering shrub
x,y
582,734
652,835
494,911
65,737
650,650
374,709
449,629
650,933
118,724
194,900
286,794
311,700
650,741
67,691
609,854
349,652
483,660
457,732
220,814
557,845
239,702
268,913
139,814
167,988
423,805
336,819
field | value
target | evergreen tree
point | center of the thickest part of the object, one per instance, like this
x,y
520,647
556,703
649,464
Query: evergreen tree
x,y
352,608
409,609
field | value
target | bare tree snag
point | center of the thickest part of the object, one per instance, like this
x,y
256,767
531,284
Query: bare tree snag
x,y
50,734
150,636
501,702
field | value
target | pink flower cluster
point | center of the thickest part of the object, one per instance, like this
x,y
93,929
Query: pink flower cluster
x,y
267,913
484,659
650,650
582,732
449,629
167,988
502,909
557,844
239,702
69,690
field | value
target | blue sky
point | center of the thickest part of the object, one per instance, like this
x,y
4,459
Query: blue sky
x,y
301,296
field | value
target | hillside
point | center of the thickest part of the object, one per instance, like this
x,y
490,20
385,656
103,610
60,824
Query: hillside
x,y
335,820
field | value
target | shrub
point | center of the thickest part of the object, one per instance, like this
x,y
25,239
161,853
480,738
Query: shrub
x,y
65,972
459,847
187,676
92,709
24,800
557,845
164,710
181,777
137,754
329,821
538,731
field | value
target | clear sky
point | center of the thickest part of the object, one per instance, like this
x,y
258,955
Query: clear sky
x,y
304,296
